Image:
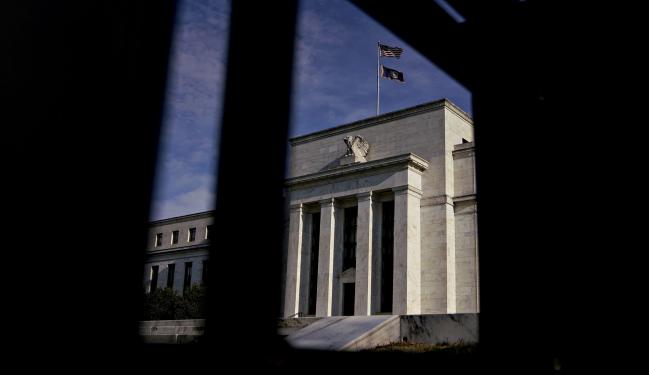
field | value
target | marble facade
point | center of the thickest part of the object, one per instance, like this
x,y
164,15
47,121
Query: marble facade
x,y
421,159
185,256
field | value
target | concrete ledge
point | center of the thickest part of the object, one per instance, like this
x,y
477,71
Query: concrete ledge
x,y
352,333
384,334
186,327
288,326
440,328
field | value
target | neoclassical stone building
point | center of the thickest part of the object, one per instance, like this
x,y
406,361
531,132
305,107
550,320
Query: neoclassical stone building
x,y
383,216
178,252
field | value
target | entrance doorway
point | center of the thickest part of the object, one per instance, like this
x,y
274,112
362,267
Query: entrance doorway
x,y
348,298
387,256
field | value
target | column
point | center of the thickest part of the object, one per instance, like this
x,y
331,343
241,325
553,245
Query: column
x,y
363,289
406,298
326,258
293,261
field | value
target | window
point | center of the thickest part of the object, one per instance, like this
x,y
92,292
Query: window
x,y
349,237
208,231
174,237
154,278
158,239
204,277
187,282
191,235
171,275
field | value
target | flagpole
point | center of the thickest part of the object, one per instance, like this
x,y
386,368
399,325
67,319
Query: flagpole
x,y
378,74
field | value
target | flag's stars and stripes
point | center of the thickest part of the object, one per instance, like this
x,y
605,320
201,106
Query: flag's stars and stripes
x,y
382,71
388,51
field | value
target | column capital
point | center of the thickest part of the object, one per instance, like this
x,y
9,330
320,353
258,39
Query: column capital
x,y
326,202
296,207
408,189
364,196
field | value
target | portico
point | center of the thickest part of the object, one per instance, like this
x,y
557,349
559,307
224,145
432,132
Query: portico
x,y
363,186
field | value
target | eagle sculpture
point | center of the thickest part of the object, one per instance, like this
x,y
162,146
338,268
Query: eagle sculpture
x,y
357,146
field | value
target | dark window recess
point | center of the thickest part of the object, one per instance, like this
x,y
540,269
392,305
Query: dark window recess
x,y
192,235
349,237
349,291
158,239
208,231
187,281
204,275
464,141
171,272
174,237
313,271
387,255
154,278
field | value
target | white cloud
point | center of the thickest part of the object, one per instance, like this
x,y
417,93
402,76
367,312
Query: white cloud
x,y
189,138
197,200
334,83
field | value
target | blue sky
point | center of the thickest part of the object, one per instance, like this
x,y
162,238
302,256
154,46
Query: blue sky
x,y
335,83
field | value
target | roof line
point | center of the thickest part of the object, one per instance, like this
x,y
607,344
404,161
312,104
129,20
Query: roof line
x,y
184,217
386,117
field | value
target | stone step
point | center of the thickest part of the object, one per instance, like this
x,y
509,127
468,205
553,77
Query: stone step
x,y
365,332
347,333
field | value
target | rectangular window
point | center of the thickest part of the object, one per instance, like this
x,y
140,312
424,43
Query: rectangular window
x,y
204,276
191,236
171,275
158,239
174,237
208,231
187,282
154,278
349,237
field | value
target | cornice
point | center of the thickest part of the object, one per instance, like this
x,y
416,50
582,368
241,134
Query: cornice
x,y
463,150
386,117
459,112
408,189
171,220
406,160
437,200
465,198
179,249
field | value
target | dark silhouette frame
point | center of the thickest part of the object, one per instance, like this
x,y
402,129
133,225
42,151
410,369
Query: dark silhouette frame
x,y
83,86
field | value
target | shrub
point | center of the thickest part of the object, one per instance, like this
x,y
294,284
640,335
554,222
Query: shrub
x,y
166,304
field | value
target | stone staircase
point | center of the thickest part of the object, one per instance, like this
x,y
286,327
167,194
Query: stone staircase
x,y
347,333
288,326
365,332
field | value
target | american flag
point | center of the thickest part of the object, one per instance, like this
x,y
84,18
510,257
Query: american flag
x,y
388,51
